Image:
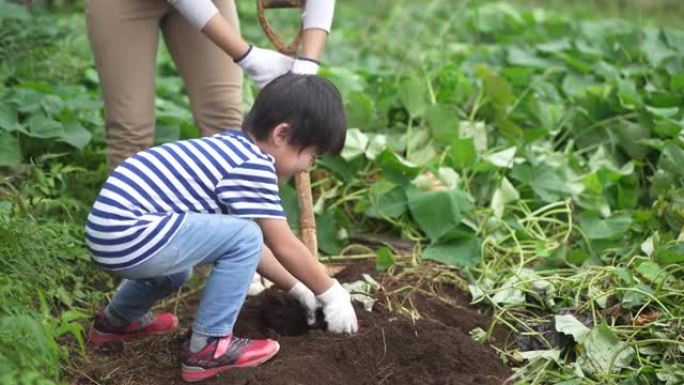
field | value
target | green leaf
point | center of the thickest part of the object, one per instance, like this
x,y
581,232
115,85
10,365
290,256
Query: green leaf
x,y
438,213
443,122
377,145
628,93
449,176
387,200
665,128
496,88
384,259
548,183
632,299
662,112
671,254
651,271
419,148
607,71
672,158
603,348
576,85
9,120
526,58
412,92
40,126
355,144
396,169
510,293
345,170
10,153
360,109
551,354
346,80
654,48
503,195
503,158
462,153
629,135
554,46
76,135
677,83
568,324
475,130
327,233
461,253
595,227
288,197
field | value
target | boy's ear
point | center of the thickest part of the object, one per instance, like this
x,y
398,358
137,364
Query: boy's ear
x,y
280,134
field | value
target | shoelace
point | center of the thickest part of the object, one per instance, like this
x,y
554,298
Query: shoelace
x,y
239,343
146,320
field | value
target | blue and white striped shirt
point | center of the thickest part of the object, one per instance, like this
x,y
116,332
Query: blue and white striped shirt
x,y
144,201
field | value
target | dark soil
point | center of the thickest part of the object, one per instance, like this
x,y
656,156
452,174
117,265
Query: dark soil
x,y
390,347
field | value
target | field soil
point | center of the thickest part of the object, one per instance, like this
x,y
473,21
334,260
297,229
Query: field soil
x,y
425,343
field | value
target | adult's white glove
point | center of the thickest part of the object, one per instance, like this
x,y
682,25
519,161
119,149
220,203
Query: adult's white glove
x,y
305,66
338,310
264,65
307,299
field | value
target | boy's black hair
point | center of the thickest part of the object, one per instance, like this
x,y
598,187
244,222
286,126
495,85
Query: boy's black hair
x,y
310,104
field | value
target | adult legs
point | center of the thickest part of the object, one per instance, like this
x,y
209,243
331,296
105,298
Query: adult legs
x,y
124,35
213,81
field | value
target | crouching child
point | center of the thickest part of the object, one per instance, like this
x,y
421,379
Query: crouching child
x,y
215,201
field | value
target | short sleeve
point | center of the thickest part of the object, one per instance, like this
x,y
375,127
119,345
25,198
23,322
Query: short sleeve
x,y
250,190
318,14
197,12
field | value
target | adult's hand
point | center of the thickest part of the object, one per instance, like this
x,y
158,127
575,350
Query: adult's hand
x,y
264,65
338,310
307,299
305,66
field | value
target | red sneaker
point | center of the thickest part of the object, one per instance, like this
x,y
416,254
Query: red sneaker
x,y
103,332
226,353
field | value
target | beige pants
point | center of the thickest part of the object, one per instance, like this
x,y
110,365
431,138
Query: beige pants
x,y
124,35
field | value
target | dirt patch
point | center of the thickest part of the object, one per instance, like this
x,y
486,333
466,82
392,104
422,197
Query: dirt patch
x,y
390,348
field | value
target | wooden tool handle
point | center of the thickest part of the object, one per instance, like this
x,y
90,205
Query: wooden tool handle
x,y
262,5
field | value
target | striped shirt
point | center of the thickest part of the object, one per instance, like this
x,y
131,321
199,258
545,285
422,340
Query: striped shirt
x,y
144,201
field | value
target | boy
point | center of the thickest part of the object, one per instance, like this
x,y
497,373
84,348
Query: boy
x,y
215,200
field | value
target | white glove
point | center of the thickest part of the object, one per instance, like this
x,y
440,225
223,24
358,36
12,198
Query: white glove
x,y
305,66
258,285
264,65
338,310
307,299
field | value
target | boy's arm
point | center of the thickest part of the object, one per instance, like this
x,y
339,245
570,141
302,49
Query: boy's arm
x,y
271,269
298,260
293,255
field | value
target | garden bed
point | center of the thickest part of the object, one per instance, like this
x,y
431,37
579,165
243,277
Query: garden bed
x,y
423,339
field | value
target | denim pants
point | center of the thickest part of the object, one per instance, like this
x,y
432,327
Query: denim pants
x,y
233,247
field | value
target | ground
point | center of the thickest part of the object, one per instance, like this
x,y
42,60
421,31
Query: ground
x,y
390,348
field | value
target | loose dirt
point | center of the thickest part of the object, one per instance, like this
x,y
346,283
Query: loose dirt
x,y
390,348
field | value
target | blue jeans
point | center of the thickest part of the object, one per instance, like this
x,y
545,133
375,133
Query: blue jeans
x,y
232,245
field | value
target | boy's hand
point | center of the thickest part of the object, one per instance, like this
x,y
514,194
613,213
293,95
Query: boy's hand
x,y
264,65
338,310
307,299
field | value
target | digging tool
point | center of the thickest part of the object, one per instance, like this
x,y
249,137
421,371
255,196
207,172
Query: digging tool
x,y
302,180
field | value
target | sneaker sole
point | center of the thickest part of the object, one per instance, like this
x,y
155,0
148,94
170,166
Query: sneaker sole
x,y
194,373
99,338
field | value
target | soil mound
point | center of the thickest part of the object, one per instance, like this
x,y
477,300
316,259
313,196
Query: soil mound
x,y
390,348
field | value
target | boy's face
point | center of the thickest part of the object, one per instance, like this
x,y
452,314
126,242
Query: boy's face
x,y
289,159
292,160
